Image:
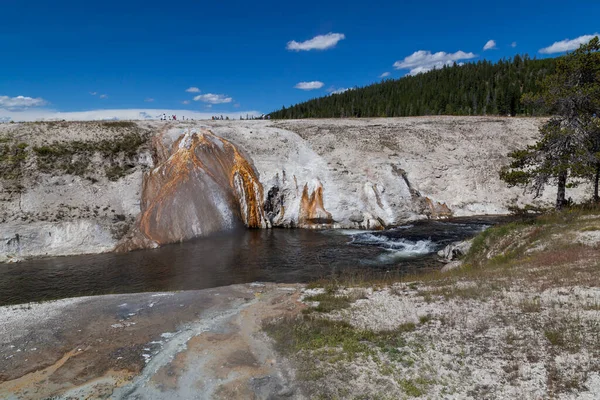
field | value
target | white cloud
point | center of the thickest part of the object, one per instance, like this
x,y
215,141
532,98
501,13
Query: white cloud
x,y
103,96
309,85
149,100
423,61
185,102
567,44
100,115
93,93
513,44
192,89
20,102
213,98
320,42
490,45
385,74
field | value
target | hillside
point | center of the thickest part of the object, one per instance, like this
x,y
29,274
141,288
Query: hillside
x,y
481,88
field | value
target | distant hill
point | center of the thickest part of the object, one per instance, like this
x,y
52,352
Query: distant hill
x,y
481,88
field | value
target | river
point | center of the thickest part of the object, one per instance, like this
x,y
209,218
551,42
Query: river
x,y
275,255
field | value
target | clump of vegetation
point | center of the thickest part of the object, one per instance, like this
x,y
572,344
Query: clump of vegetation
x,y
526,210
317,333
12,157
330,300
531,305
73,157
116,172
569,334
119,124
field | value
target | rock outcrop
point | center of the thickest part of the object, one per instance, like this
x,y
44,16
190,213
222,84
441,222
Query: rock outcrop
x,y
455,250
70,188
205,185
312,213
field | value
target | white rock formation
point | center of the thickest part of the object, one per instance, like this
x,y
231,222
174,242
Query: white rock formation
x,y
347,173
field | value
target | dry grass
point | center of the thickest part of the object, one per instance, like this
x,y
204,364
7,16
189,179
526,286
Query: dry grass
x,y
537,318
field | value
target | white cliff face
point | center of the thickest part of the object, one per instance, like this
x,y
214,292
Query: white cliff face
x,y
286,163
358,173
47,211
383,172
39,239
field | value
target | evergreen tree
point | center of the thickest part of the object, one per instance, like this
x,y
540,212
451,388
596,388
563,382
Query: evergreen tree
x,y
569,144
480,88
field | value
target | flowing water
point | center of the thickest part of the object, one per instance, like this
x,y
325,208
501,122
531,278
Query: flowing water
x,y
275,255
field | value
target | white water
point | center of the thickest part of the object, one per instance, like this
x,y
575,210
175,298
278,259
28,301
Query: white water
x,y
402,247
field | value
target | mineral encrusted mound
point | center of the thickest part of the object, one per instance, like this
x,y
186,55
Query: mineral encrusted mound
x,y
204,186
312,213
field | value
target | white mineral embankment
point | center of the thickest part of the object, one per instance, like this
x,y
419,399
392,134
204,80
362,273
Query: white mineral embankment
x,y
360,173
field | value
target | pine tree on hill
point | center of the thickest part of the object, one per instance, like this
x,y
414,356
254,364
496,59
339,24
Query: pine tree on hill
x,y
480,88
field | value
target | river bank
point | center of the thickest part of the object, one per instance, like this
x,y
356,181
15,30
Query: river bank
x,y
72,188
520,319
241,256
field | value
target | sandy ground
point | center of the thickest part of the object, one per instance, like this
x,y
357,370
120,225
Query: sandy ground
x,y
186,345
496,348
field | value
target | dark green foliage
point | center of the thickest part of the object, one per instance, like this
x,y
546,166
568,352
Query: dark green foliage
x,y
119,124
12,156
116,172
569,143
480,88
314,333
74,157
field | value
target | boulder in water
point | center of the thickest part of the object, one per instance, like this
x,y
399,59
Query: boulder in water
x,y
455,250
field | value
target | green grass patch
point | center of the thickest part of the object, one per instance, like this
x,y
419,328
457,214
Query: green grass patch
x,y
570,334
415,387
474,292
328,302
590,229
311,333
73,157
555,337
120,124
12,157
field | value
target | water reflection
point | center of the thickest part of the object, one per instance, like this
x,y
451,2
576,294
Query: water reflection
x,y
277,255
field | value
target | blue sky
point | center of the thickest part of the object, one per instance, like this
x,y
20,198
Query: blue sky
x,y
72,56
